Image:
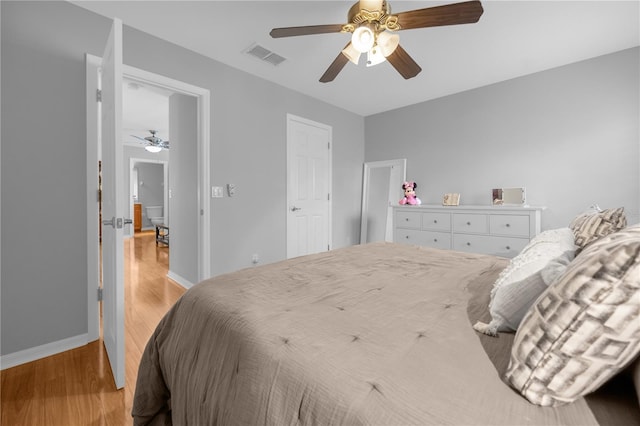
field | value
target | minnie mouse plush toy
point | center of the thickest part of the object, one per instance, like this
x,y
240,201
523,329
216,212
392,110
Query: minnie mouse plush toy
x,y
410,194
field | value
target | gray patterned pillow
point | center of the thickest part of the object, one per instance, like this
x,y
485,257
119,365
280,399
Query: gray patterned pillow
x,y
592,225
585,327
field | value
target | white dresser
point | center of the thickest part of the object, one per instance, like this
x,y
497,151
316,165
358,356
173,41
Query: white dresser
x,y
497,230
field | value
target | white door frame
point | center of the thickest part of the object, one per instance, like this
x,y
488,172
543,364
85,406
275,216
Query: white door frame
x,y
204,175
291,118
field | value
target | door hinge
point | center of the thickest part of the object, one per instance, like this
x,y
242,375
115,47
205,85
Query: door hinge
x,y
98,95
328,197
99,294
328,145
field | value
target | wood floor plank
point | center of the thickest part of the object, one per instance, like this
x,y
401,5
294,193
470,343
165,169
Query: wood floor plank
x,y
76,387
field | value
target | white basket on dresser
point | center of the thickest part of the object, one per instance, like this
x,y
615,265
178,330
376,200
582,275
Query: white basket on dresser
x,y
497,230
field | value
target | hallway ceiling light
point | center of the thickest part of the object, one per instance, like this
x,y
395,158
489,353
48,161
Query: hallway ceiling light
x,y
153,148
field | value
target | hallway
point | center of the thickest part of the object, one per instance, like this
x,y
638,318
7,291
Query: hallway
x,y
76,387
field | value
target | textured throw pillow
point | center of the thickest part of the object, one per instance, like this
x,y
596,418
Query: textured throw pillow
x,y
585,327
536,255
592,225
511,302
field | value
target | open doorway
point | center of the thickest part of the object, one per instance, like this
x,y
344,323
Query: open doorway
x,y
147,154
201,209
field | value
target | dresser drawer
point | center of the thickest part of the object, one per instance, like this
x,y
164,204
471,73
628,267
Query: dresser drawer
x,y
497,246
436,221
440,240
506,246
509,225
473,223
408,236
406,219
472,243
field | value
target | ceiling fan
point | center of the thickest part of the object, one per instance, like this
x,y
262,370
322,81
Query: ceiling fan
x,y
373,32
153,143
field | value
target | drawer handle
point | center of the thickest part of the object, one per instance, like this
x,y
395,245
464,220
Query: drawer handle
x,y
469,223
508,247
435,220
407,237
435,240
507,225
406,219
468,243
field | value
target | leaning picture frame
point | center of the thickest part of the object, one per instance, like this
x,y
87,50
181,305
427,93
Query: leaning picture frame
x,y
451,199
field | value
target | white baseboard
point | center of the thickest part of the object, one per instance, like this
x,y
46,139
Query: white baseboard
x,y
43,351
180,280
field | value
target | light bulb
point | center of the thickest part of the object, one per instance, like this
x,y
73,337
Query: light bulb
x,y
363,38
153,148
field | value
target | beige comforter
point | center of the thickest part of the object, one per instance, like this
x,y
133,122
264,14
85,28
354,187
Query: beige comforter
x,y
374,334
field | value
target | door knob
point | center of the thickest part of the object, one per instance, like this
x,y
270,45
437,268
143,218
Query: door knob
x,y
111,222
295,209
128,221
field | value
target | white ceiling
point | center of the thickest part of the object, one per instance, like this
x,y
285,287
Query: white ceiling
x,y
144,107
512,38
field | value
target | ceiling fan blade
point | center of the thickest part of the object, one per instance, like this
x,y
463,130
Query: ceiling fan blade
x,y
335,67
403,63
308,30
450,14
138,137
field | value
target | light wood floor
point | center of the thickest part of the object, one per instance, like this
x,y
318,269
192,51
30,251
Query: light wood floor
x,y
76,387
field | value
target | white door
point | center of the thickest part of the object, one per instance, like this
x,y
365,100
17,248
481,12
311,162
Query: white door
x,y
308,187
113,205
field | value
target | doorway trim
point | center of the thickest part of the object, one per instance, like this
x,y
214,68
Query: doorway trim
x,y
203,98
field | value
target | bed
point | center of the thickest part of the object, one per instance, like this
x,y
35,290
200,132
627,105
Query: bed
x,y
372,334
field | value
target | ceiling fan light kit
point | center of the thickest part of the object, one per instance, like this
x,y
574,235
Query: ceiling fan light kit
x,y
371,24
153,143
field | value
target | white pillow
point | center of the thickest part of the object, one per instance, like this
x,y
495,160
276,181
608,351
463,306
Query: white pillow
x,y
511,301
544,247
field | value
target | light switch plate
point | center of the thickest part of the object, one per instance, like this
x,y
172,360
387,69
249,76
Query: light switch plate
x,y
216,192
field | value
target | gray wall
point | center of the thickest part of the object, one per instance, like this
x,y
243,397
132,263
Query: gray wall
x,y
569,135
183,182
44,241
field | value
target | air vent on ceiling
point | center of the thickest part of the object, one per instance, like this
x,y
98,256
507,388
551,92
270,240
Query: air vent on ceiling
x,y
265,55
